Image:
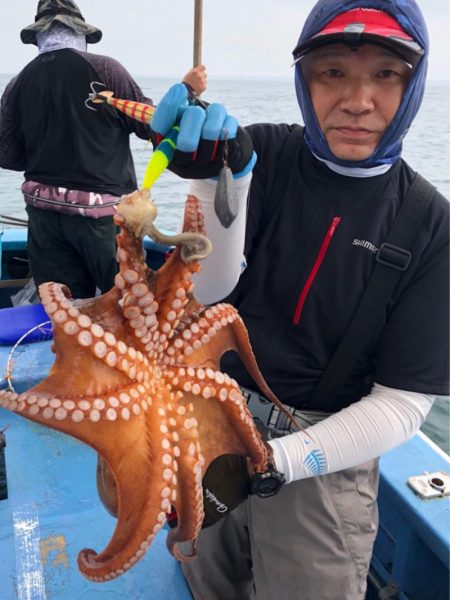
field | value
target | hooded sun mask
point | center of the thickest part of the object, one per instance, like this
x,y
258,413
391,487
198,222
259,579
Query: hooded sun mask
x,y
410,41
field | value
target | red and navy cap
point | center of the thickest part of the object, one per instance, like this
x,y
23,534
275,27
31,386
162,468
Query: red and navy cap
x,y
364,25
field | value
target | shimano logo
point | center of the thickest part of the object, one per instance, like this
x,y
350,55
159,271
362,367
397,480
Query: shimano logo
x,y
365,244
220,506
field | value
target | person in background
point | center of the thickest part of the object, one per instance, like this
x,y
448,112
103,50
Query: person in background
x,y
77,162
299,264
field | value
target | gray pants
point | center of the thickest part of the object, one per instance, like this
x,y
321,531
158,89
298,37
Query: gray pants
x,y
312,541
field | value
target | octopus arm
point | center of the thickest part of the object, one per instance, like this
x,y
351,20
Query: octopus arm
x,y
141,462
232,335
189,500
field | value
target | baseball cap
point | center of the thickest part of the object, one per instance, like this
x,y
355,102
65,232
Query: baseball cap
x,y
364,25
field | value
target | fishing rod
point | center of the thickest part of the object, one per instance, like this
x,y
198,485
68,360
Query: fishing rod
x,y
198,28
8,220
165,150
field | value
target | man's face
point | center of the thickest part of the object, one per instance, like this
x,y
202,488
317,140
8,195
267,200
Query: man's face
x,y
355,95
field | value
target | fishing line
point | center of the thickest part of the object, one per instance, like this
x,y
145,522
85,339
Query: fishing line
x,y
9,362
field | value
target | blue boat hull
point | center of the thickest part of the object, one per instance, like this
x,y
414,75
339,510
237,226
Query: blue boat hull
x,y
411,552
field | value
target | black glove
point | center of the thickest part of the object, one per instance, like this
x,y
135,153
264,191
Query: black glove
x,y
207,135
227,484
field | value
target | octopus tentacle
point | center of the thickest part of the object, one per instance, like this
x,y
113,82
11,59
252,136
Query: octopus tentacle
x,y
175,277
172,307
134,279
142,514
231,334
189,499
132,266
86,417
194,245
103,344
195,333
139,307
217,386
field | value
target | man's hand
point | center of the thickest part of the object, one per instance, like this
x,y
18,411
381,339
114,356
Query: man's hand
x,y
226,484
203,131
230,479
196,79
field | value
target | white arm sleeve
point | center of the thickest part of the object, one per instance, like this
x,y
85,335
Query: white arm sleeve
x,y
222,268
375,424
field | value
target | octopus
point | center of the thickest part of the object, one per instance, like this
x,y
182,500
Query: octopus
x,y
137,377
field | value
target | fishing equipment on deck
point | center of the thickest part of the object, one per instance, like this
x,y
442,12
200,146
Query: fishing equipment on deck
x,y
29,321
14,221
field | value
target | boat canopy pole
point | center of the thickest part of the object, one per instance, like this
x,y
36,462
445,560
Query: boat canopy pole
x,y
198,22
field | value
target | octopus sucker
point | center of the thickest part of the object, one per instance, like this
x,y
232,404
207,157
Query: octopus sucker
x,y
137,377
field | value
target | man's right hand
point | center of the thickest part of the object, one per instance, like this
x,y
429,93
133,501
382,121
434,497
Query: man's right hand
x,y
203,131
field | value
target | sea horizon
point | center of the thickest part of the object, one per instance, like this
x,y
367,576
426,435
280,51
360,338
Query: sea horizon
x,y
231,77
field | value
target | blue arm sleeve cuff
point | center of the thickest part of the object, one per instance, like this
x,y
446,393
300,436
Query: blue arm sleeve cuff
x,y
249,167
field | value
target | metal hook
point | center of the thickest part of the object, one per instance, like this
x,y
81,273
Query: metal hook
x,y
86,103
93,95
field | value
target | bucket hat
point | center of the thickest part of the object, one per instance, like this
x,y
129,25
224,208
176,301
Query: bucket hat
x,y
64,11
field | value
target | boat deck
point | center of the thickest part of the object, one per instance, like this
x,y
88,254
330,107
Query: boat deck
x,y
53,512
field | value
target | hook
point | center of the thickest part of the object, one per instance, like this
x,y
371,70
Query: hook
x,y
93,95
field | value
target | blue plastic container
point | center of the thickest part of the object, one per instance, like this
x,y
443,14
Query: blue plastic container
x,y
17,321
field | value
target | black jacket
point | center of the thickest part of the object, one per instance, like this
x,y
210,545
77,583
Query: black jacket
x,y
307,271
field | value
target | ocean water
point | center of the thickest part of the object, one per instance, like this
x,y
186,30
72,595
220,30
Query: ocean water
x,y
426,149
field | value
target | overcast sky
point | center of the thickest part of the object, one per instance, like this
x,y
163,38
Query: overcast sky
x,y
240,37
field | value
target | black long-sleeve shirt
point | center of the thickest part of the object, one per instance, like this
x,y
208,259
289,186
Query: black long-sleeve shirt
x,y
309,262
47,131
